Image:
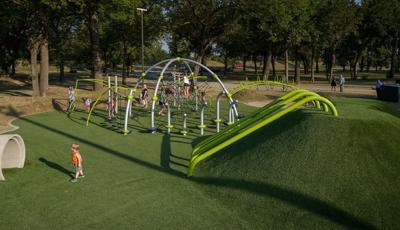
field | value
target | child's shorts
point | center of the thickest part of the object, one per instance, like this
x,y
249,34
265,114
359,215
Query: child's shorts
x,y
76,168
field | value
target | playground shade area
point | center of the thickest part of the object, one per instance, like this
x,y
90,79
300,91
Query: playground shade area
x,y
307,170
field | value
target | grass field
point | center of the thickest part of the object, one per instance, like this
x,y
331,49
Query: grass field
x,y
308,170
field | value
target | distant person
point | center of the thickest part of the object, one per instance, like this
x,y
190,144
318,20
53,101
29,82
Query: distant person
x,y
143,96
378,87
333,84
341,83
186,86
88,103
76,159
71,98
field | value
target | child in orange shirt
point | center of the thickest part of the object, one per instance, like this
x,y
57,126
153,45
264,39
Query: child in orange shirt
x,y
77,162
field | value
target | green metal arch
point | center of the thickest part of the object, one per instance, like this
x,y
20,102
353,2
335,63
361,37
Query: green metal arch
x,y
198,155
98,99
276,104
85,80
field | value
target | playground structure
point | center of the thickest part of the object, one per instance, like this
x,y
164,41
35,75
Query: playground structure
x,y
113,92
256,120
12,152
178,99
171,81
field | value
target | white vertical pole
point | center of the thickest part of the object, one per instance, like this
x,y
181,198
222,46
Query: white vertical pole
x,y
218,120
109,97
128,111
116,94
202,126
169,126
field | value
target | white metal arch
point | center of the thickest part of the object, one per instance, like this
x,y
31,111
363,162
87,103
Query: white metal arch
x,y
154,98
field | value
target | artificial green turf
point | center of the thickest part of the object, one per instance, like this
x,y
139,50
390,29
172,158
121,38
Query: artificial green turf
x,y
307,170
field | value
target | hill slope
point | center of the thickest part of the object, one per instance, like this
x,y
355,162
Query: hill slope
x,y
310,170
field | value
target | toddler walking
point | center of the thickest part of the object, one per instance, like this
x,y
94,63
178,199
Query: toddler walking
x,y
77,162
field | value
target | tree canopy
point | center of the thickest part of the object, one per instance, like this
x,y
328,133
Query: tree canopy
x,y
105,36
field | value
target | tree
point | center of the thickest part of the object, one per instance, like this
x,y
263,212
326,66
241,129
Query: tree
x,y
200,23
336,20
383,20
64,21
124,27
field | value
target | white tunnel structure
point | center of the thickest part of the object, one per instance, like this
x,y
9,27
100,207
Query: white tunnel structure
x,y
12,152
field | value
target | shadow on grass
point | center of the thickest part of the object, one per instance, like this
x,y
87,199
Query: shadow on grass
x,y
295,198
106,149
56,166
57,105
166,154
388,108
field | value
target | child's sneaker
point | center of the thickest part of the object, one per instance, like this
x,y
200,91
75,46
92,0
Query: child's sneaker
x,y
74,180
81,176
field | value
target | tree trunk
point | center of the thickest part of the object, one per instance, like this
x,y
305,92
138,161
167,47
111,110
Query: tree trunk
x,y
305,66
353,66
395,51
124,61
351,71
62,70
332,65
297,66
33,50
273,67
44,67
362,64
344,68
61,65
267,61
317,65
286,79
105,56
312,65
199,58
327,64
355,71
225,63
255,64
128,67
95,44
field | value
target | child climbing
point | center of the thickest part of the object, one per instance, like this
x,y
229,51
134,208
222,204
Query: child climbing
x,y
162,101
143,96
76,159
111,109
88,102
186,86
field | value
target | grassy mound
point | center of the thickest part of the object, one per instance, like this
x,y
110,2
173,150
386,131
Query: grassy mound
x,y
307,170
311,171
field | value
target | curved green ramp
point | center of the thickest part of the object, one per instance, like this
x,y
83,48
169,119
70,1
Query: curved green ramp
x,y
256,120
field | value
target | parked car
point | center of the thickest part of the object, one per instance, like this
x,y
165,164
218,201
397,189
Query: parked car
x,y
238,65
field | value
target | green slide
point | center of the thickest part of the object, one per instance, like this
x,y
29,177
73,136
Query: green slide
x,y
256,120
